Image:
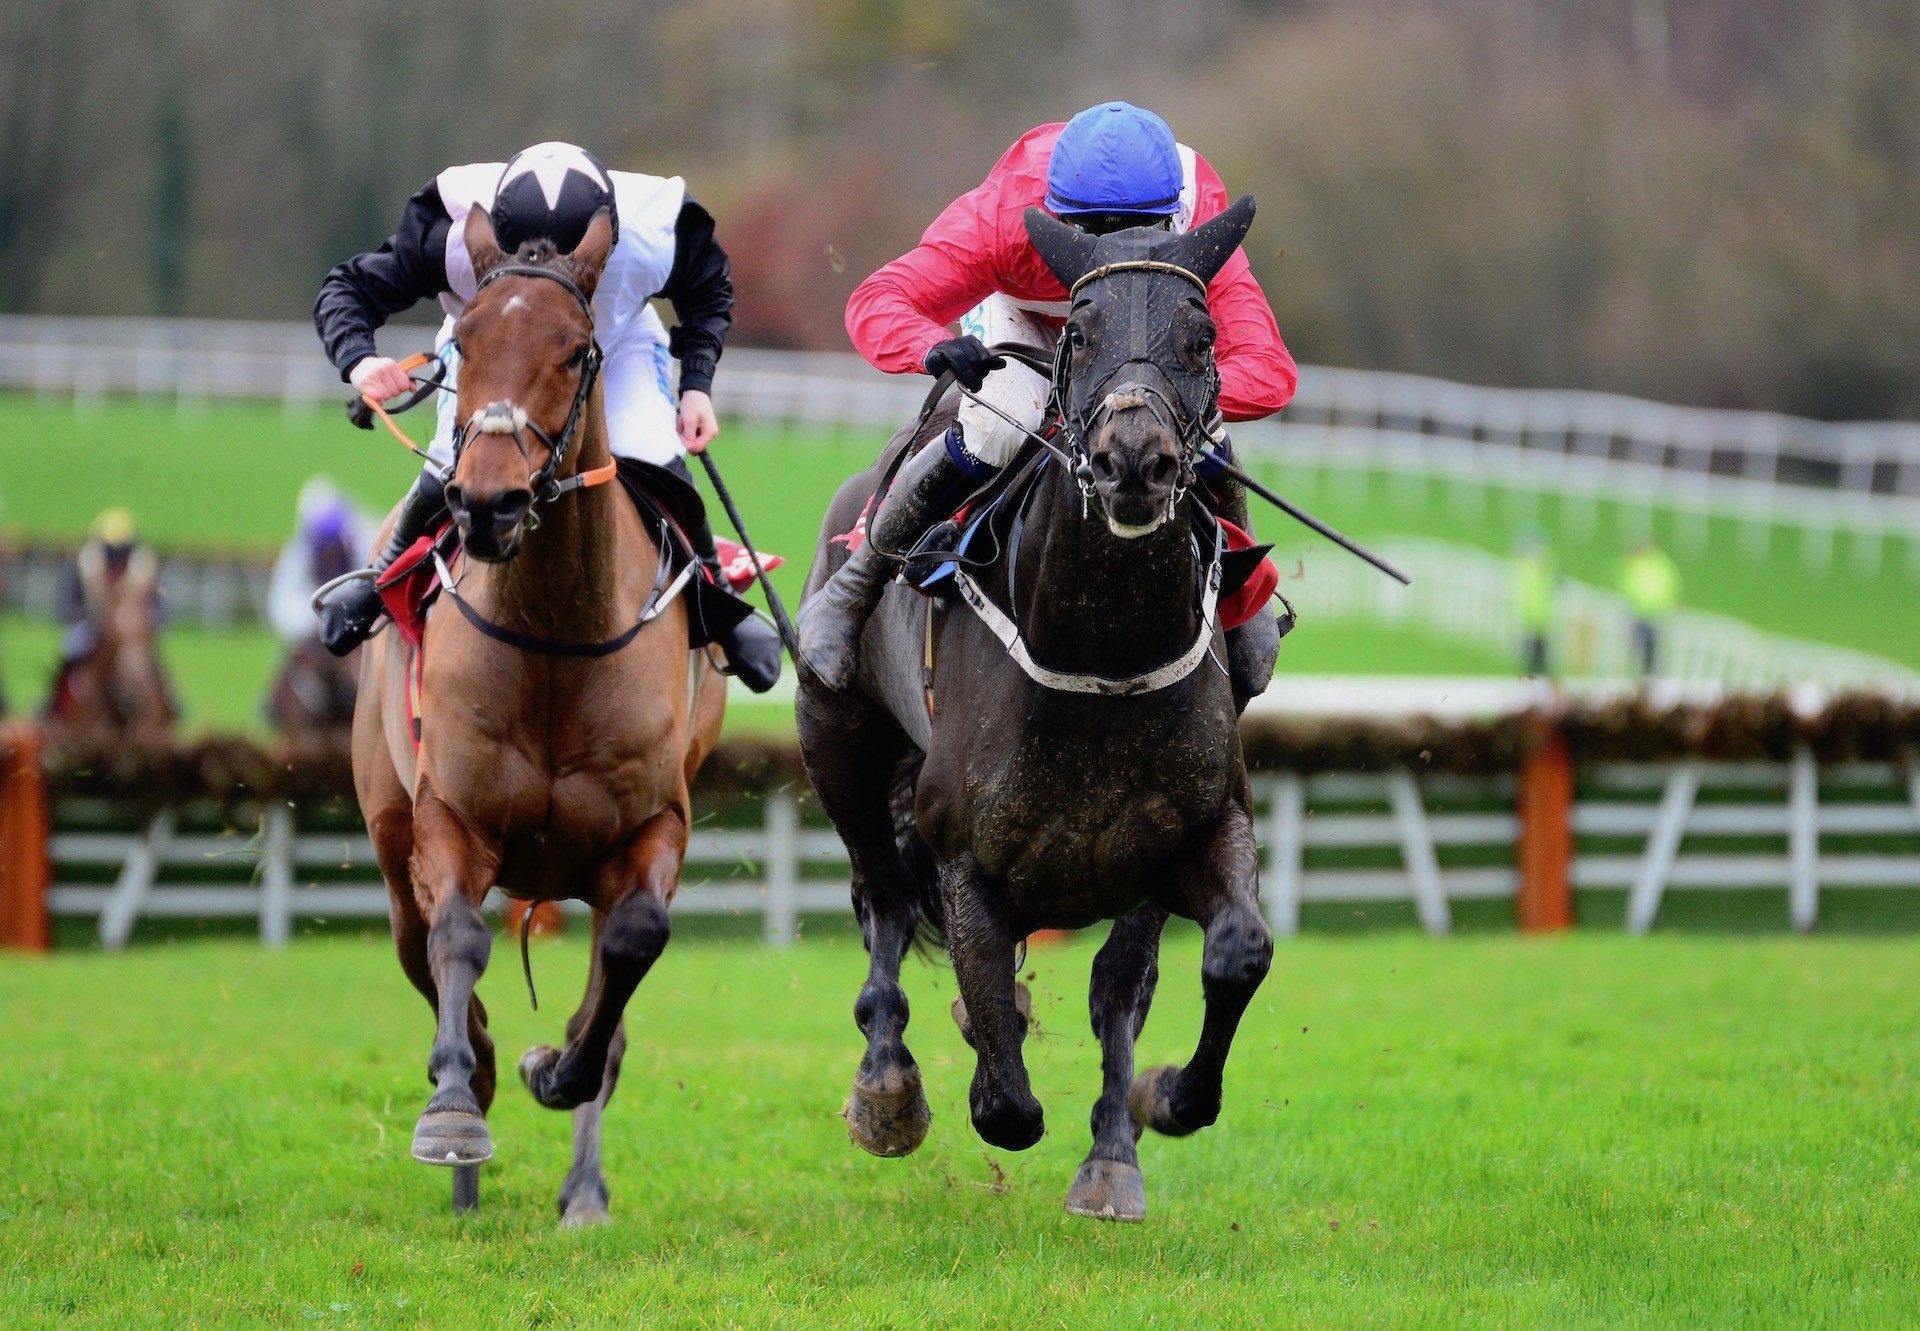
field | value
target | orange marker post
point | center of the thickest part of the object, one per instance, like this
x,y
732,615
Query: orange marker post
x,y
26,871
1544,851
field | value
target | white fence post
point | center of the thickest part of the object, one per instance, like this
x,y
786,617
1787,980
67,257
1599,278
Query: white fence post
x,y
1663,844
1803,841
276,875
130,891
1286,844
1416,850
782,866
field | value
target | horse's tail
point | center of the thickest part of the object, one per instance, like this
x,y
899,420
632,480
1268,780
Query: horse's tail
x,y
932,923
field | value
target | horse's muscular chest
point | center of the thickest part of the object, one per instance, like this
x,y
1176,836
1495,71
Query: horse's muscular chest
x,y
1075,819
556,799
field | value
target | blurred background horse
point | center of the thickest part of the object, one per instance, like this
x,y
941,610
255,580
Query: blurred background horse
x,y
110,677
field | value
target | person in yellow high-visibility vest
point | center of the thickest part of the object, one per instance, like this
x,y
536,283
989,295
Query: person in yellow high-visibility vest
x,y
1536,579
1651,583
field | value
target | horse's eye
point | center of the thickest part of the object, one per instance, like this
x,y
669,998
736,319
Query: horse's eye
x,y
578,358
1076,336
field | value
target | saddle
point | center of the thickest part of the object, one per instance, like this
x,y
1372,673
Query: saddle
x,y
669,507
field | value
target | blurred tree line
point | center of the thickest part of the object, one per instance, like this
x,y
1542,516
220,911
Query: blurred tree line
x,y
1713,201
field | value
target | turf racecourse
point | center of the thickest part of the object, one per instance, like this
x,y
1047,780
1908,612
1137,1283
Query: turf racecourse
x,y
1590,1130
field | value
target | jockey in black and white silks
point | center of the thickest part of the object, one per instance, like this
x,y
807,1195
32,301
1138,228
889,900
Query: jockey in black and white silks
x,y
664,247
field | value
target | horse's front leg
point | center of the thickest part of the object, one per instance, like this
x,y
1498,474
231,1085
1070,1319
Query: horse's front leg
x,y
1109,1185
1222,893
635,888
451,870
980,936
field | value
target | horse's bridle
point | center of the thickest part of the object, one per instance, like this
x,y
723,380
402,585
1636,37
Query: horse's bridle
x,y
510,419
1187,422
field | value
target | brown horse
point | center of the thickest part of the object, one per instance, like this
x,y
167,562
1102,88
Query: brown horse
x,y
117,686
314,692
546,770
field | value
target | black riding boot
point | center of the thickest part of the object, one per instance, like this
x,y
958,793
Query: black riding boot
x,y
1254,646
923,492
349,611
753,645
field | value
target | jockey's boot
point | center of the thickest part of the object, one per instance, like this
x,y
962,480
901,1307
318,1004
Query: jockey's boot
x,y
924,491
753,645
349,612
1254,646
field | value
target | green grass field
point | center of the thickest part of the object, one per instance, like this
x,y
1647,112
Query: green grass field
x,y
226,476
1583,1131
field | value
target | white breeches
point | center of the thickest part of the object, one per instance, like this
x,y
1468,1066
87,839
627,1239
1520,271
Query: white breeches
x,y
636,390
1014,388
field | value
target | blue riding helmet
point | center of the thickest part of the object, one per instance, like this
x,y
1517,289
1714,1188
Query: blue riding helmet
x,y
1115,158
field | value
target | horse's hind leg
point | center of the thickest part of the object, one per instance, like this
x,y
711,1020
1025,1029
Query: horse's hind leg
x,y
584,1193
1109,1185
631,938
1222,893
981,938
583,1196
886,1111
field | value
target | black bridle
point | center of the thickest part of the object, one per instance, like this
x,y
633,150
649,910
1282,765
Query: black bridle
x,y
1186,421
510,419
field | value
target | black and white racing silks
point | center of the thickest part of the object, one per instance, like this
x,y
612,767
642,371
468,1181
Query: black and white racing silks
x,y
665,248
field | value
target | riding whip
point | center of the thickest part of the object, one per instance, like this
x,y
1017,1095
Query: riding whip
x,y
774,602
1301,515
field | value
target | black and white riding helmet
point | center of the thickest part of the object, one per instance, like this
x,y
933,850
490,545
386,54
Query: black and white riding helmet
x,y
551,192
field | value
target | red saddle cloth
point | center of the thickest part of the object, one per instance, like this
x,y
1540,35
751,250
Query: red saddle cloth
x,y
409,585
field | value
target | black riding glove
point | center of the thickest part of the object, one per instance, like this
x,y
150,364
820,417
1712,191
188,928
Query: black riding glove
x,y
967,357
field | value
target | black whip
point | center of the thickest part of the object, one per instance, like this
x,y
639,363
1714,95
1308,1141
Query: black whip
x,y
774,603
1301,515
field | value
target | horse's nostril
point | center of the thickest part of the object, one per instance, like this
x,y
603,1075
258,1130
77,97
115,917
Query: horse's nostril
x,y
512,507
1160,470
1105,467
456,498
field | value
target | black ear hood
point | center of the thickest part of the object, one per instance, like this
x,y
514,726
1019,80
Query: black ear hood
x,y
1204,251
1067,250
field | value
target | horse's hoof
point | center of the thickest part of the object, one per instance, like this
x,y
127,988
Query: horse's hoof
x,y
1108,1190
1151,1100
1009,1125
1022,1003
888,1116
451,1137
585,1212
538,1074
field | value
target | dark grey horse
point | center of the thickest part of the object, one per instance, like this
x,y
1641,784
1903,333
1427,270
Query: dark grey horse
x,y
1099,780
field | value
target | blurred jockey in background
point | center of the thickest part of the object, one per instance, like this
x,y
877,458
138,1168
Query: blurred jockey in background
x,y
664,247
112,552
1651,583
1536,584
1111,167
331,536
